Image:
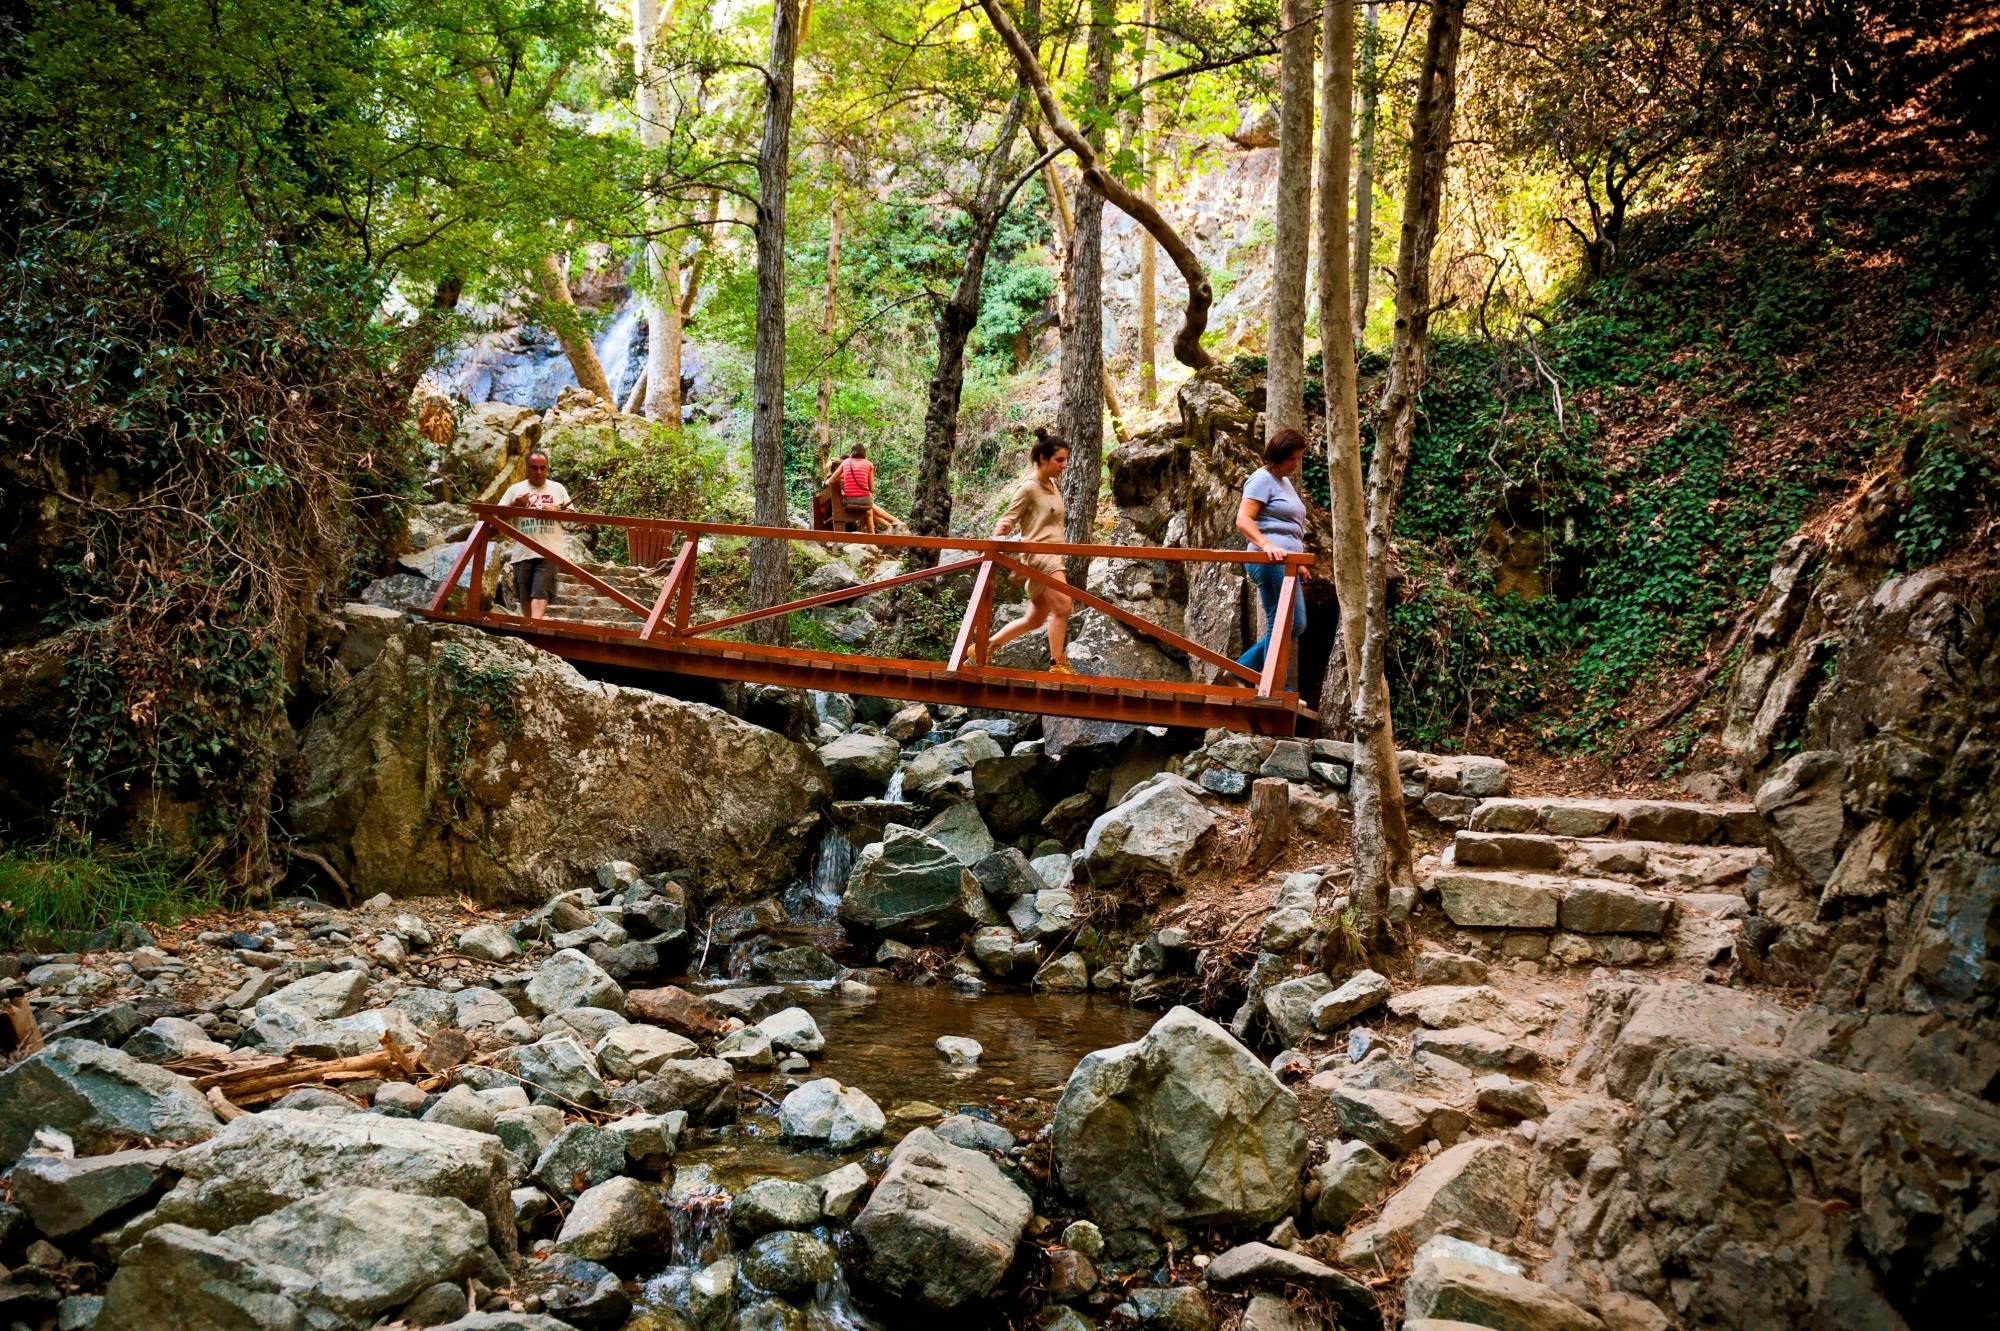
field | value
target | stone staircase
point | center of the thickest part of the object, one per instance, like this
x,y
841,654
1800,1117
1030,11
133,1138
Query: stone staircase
x,y
577,602
1595,881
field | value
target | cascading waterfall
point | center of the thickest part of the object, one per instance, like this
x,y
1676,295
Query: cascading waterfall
x,y
701,1238
815,897
614,349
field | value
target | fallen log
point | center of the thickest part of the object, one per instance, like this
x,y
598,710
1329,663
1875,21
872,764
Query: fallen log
x,y
266,1078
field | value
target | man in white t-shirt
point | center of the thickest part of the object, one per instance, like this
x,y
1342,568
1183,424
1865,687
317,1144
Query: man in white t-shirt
x,y
534,576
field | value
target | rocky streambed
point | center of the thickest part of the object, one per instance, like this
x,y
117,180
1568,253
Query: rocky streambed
x,y
1056,1028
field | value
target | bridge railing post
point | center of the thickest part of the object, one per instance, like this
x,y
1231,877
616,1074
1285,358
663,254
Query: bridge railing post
x,y
970,646
1279,654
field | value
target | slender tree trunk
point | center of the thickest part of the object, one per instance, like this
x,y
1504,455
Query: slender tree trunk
x,y
663,339
1378,866
1377,789
1343,415
1285,372
554,290
770,559
1364,179
828,321
662,375
1080,418
1201,294
1149,387
930,510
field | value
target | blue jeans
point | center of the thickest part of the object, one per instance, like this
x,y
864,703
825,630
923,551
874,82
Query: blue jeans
x,y
1270,579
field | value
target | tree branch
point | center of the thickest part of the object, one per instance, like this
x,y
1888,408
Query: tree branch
x,y
1187,342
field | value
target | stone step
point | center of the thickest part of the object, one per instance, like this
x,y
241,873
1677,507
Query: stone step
x,y
1664,864
1511,899
1679,822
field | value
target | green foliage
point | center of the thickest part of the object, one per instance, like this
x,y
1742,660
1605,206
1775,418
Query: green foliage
x,y
1642,557
58,895
201,396
1947,485
650,470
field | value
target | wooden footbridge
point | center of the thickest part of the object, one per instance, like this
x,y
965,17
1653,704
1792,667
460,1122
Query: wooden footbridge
x,y
664,636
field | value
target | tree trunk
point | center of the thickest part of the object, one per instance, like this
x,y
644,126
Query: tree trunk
x,y
663,336
1285,362
1364,179
829,319
1377,789
1343,416
1378,866
1201,295
1149,387
662,375
554,289
1080,417
930,509
770,559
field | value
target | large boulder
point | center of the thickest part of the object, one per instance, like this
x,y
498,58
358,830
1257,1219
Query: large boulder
x,y
823,1110
1455,1283
1801,801
1183,1127
910,886
263,1162
1478,1187
859,766
1159,833
940,1229
102,1098
339,1259
460,761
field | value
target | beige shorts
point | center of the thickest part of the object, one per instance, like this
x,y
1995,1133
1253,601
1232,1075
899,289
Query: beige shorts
x,y
1050,564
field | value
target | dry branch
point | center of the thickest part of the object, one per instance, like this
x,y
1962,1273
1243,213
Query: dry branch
x,y
1187,342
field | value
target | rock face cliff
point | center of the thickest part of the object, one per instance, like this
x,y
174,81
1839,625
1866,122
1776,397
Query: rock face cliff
x,y
462,762
1747,1168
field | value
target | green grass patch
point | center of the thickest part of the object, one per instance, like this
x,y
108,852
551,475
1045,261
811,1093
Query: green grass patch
x,y
57,896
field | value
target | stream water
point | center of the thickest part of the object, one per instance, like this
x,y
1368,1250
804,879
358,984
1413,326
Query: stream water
x,y
880,1037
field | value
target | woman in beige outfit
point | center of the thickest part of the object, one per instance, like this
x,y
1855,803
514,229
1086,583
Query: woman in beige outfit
x,y
1036,511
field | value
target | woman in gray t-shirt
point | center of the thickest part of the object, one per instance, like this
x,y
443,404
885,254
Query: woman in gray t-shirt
x,y
1272,518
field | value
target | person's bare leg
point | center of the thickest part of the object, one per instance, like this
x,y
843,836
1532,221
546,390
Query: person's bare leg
x,y
1026,624
1059,609
538,608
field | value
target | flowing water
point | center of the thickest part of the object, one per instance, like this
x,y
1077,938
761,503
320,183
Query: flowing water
x,y
614,350
885,1043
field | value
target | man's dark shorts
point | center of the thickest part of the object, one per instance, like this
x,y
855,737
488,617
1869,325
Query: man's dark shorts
x,y
534,580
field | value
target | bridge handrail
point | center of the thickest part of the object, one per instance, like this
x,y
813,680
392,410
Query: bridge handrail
x,y
990,559
986,545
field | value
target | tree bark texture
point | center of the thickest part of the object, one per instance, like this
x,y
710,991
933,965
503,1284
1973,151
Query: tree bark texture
x,y
1285,361
1378,866
1149,352
1080,417
829,319
1343,415
1364,178
930,510
554,290
662,375
1201,295
770,559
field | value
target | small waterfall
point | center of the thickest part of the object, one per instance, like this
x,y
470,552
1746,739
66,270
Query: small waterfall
x,y
815,897
614,349
895,792
700,1224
